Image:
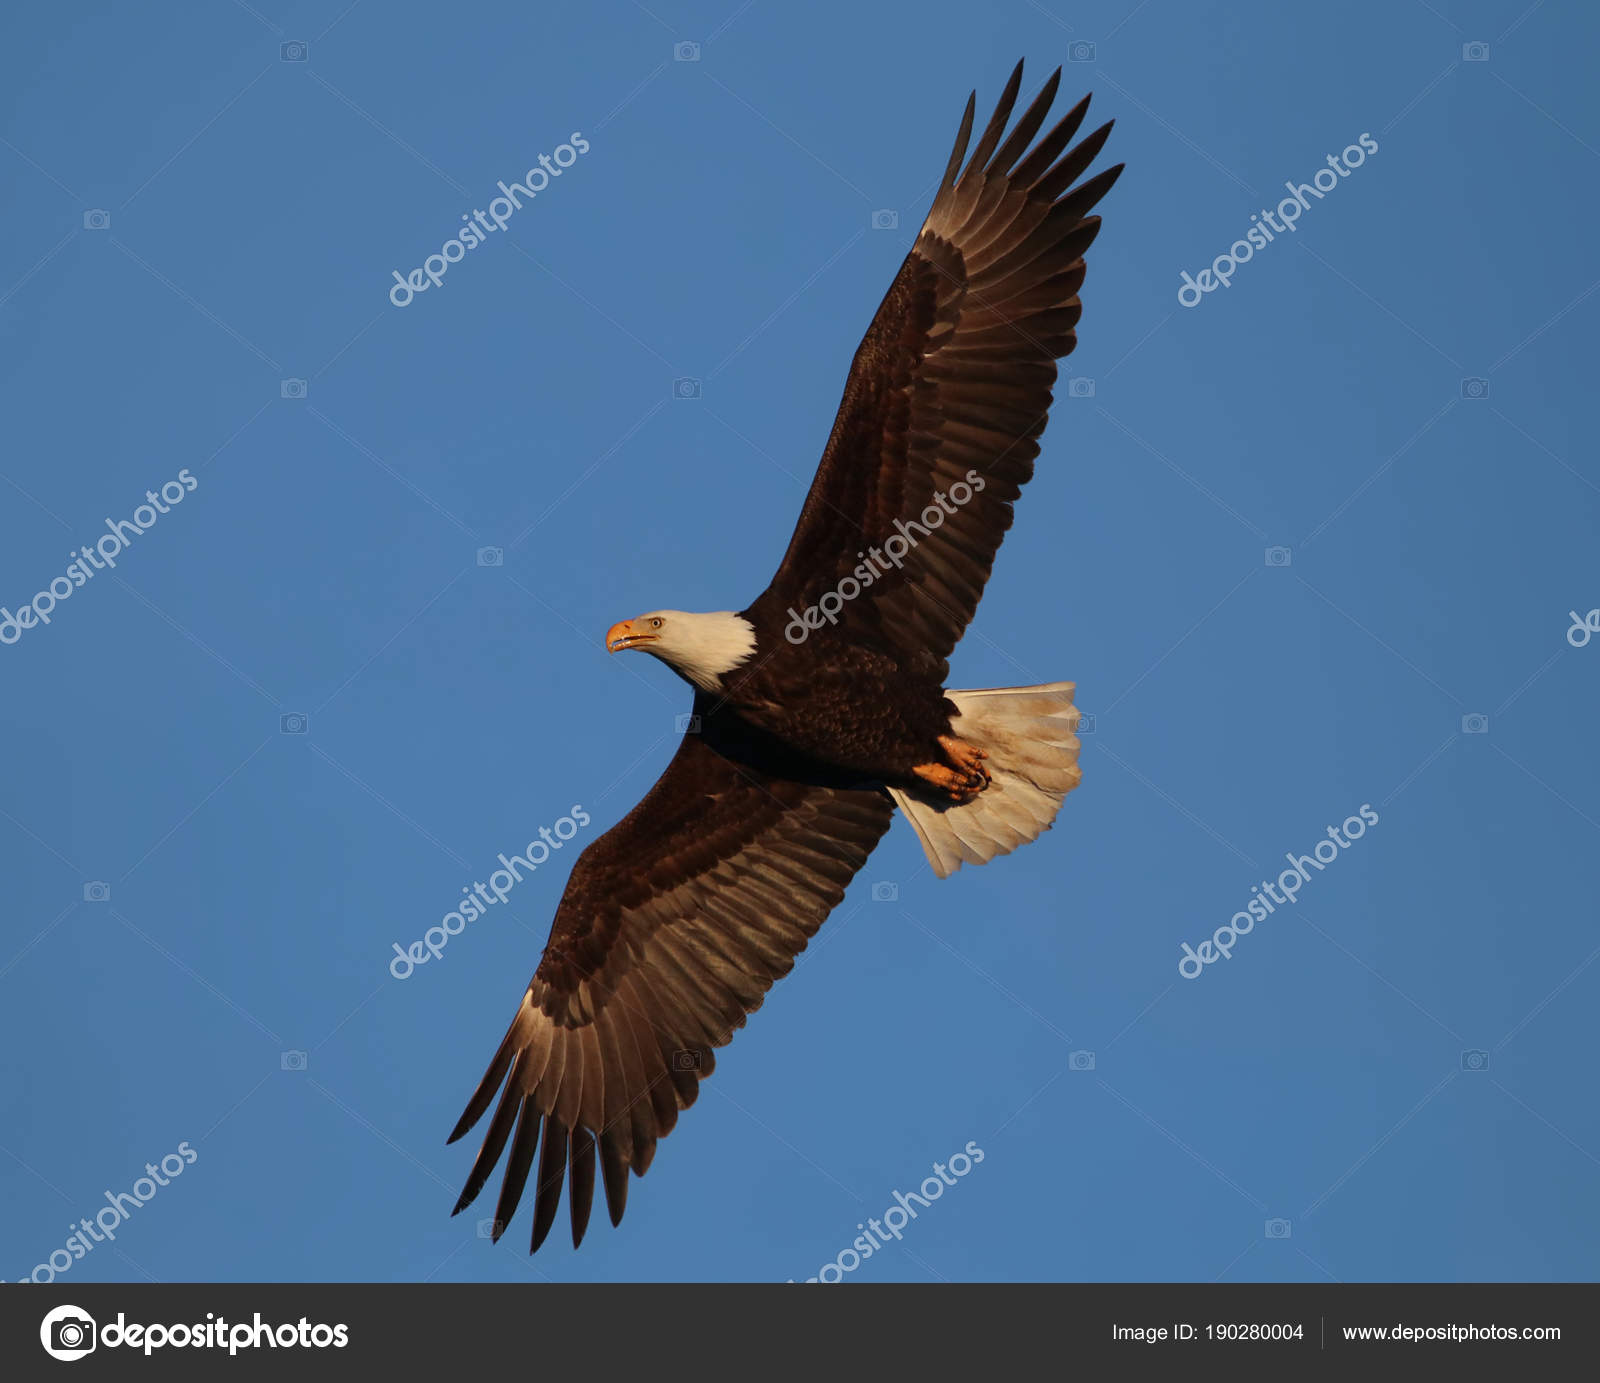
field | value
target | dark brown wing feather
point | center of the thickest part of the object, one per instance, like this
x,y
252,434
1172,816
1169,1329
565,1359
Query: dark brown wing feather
x,y
954,374
673,926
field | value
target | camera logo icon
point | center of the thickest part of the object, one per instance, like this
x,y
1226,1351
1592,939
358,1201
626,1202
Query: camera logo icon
x,y
688,723
885,220
686,388
491,557
1279,1229
1081,51
1280,556
294,723
1080,388
97,891
1474,52
685,1061
292,389
1474,724
1474,388
1080,1061
885,892
686,52
491,1229
1475,1060
68,1333
295,50
1085,725
293,1061
97,219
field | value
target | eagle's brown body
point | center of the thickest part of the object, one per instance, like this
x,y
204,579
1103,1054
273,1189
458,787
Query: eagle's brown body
x,y
869,712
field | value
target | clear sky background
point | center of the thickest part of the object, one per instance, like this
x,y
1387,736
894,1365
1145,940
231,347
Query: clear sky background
x,y
720,230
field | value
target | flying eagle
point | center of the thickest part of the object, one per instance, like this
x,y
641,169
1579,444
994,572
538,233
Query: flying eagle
x,y
822,705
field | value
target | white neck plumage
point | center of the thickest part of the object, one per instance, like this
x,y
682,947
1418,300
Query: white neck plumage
x,y
704,648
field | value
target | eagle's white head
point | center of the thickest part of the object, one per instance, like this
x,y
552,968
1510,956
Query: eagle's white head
x,y
703,648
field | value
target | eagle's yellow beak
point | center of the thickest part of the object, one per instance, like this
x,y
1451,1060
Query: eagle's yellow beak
x,y
627,634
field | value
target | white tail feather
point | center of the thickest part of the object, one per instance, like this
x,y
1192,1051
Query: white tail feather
x,y
1027,732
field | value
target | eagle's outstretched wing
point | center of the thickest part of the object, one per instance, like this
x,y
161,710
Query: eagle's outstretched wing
x,y
673,926
954,375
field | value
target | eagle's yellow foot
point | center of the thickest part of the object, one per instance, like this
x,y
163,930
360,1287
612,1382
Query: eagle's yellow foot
x,y
957,786
966,759
963,777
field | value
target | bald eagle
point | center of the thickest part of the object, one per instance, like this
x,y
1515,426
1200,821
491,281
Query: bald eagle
x,y
822,706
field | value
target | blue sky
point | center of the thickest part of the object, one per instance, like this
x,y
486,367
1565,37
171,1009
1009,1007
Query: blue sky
x,y
1410,655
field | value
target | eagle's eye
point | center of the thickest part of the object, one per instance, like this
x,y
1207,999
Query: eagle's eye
x,y
655,624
